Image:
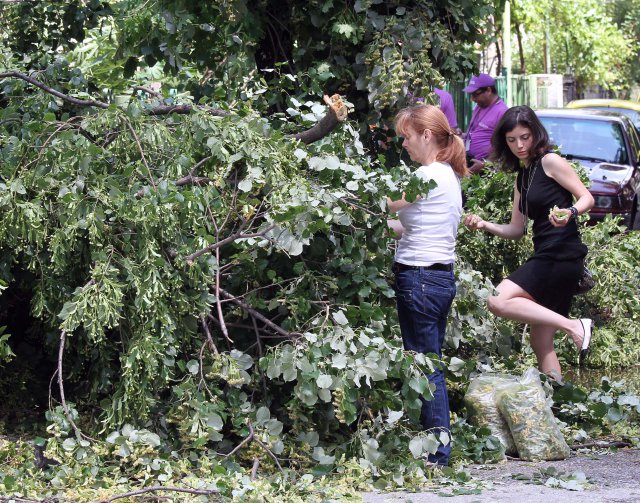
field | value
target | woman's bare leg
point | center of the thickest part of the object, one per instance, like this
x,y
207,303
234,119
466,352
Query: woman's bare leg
x,y
513,303
542,344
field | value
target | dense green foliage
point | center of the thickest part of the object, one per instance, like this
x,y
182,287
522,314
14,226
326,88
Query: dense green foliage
x,y
215,292
582,39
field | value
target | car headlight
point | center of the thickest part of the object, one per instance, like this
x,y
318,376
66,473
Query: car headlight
x,y
607,202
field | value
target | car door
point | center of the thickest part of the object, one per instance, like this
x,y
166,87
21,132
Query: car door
x,y
634,141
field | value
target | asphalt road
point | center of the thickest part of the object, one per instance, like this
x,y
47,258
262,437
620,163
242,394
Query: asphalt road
x,y
610,478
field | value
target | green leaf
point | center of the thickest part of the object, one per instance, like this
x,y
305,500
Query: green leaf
x,y
416,447
193,367
324,381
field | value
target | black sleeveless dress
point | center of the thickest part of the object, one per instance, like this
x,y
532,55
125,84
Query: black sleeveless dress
x,y
552,273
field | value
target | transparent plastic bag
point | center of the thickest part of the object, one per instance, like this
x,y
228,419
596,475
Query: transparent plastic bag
x,y
534,429
482,407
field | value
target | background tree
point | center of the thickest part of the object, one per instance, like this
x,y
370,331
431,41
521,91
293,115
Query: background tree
x,y
583,38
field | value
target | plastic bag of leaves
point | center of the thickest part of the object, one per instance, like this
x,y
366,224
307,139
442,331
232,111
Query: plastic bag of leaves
x,y
482,407
535,431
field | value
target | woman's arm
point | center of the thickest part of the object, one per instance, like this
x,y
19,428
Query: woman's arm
x,y
395,228
513,230
560,170
395,206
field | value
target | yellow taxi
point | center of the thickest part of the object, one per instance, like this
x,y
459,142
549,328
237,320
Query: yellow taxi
x,y
629,108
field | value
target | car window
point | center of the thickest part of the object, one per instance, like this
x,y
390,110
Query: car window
x,y
634,115
635,142
588,139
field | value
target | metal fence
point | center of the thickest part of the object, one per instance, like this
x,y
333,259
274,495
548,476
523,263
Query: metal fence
x,y
536,91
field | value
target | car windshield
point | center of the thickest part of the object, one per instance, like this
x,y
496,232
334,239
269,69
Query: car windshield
x,y
584,138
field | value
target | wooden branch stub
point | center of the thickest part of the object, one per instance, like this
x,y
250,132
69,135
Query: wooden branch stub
x,y
336,114
192,180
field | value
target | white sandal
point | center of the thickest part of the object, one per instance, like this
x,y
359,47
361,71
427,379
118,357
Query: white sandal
x,y
587,325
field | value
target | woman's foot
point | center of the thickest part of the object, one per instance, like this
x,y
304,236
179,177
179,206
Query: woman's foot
x,y
587,325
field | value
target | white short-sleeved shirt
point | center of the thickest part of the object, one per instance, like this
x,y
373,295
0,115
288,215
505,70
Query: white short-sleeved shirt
x,y
431,224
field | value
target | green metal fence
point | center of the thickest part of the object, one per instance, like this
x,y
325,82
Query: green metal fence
x,y
525,90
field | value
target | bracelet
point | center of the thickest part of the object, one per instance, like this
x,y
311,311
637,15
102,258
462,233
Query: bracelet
x,y
574,212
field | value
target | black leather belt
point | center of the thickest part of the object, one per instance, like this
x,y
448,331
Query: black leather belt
x,y
397,266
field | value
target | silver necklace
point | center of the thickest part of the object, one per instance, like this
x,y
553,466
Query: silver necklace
x,y
531,175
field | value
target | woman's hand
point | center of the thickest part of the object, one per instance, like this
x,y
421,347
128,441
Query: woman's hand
x,y
559,217
474,222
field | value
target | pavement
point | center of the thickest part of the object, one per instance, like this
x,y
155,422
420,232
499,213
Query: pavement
x,y
610,477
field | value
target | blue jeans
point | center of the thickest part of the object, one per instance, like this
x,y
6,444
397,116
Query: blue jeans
x,y
424,299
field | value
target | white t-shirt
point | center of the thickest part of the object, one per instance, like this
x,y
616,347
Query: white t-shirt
x,y
431,224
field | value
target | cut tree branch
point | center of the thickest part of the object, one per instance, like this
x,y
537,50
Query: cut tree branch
x,y
336,114
157,110
64,97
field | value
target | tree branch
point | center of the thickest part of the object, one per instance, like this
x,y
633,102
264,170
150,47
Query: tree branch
x,y
336,114
337,109
261,317
157,110
192,180
238,235
67,412
50,90
252,436
205,327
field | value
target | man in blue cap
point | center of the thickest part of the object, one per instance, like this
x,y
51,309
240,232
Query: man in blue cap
x,y
486,115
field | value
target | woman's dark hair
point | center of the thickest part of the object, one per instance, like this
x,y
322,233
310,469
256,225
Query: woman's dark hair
x,y
517,116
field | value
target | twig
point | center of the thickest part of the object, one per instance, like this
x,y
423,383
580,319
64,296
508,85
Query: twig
x,y
204,492
67,412
248,439
273,456
197,166
238,235
252,436
223,326
256,314
254,468
601,445
144,159
41,148
148,91
202,379
259,344
207,332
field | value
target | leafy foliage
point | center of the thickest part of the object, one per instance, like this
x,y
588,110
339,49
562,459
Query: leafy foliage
x,y
585,42
223,287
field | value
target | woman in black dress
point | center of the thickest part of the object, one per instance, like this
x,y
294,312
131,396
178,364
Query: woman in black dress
x,y
540,291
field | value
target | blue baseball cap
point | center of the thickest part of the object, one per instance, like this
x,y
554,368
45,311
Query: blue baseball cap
x,y
479,81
